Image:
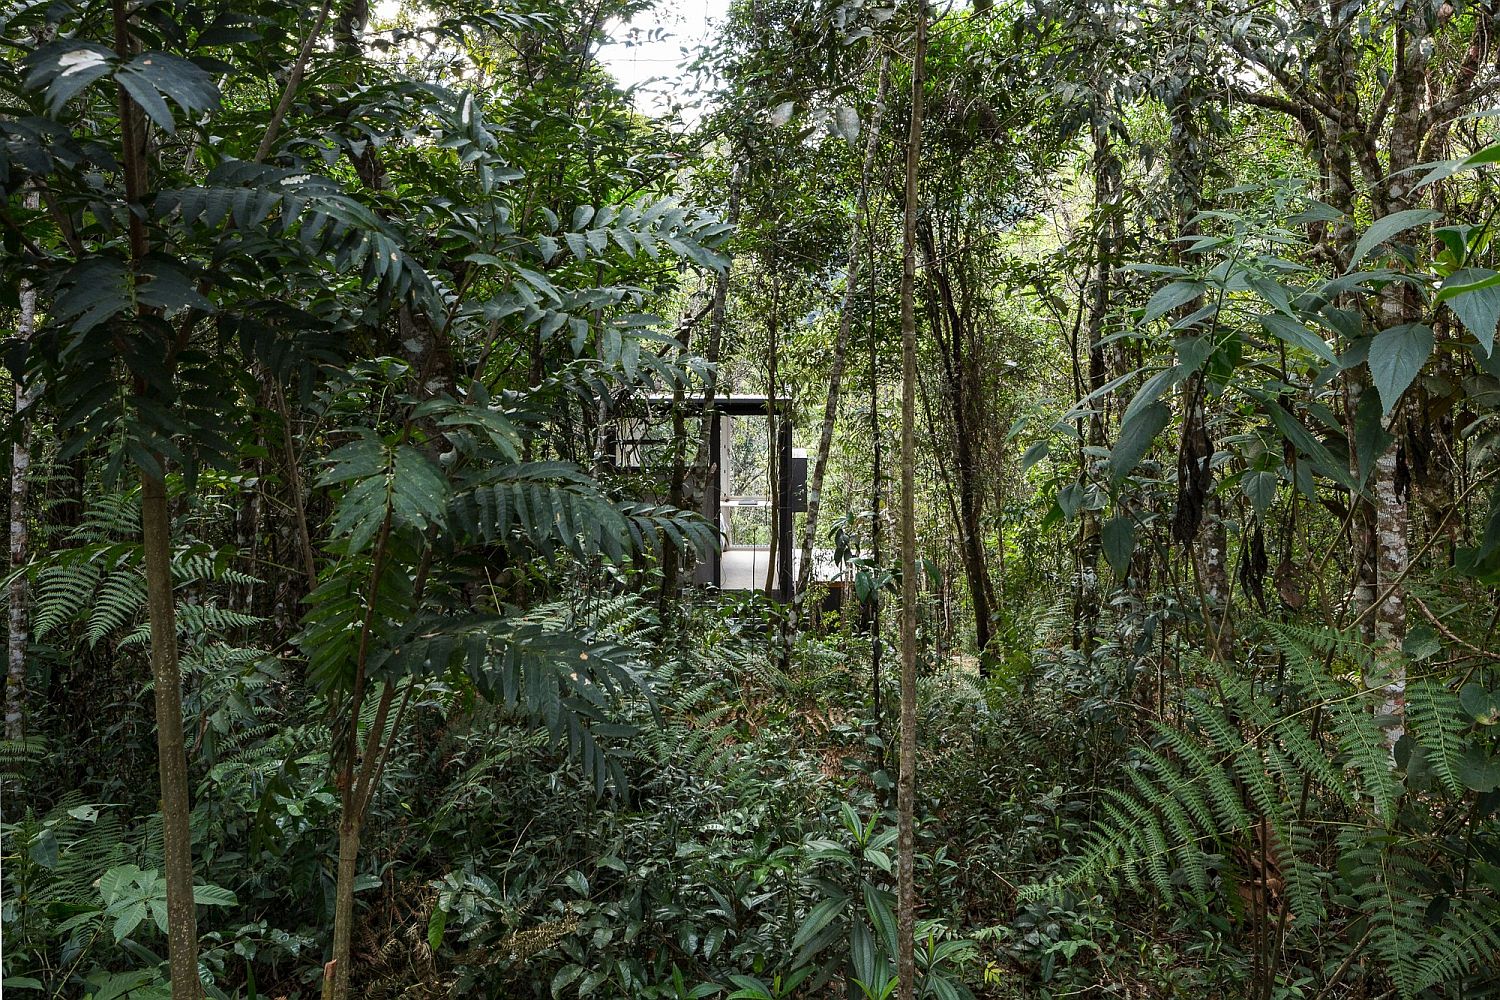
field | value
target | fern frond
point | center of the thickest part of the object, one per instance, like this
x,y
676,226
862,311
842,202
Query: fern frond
x,y
1436,720
63,591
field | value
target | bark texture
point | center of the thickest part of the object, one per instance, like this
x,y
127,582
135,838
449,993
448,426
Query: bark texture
x,y
906,784
156,546
171,748
20,547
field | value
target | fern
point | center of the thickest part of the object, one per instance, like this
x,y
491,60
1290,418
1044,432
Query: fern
x,y
1437,720
1253,758
99,582
63,591
552,506
117,601
197,620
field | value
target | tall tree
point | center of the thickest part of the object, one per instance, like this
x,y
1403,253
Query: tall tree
x,y
20,551
1370,156
156,546
839,360
906,783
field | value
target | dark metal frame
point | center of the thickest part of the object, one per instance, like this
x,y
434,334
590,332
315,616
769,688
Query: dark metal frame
x,y
779,412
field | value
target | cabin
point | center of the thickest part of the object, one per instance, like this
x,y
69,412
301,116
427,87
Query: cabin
x,y
757,484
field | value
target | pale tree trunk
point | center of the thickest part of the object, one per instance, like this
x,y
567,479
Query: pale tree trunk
x,y
841,341
20,551
1398,306
1411,111
906,784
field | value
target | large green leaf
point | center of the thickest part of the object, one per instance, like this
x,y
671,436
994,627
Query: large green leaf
x,y
1173,296
1371,439
1303,440
63,68
1118,537
1259,488
1297,335
1136,435
1474,296
1478,770
1387,228
1152,390
152,74
1397,354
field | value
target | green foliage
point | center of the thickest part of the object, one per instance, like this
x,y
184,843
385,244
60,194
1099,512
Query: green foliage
x,y
1243,776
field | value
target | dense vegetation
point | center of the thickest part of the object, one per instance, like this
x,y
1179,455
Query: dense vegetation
x,y
1145,356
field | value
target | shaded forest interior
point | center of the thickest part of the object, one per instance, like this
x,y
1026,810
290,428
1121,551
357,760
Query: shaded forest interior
x,y
949,500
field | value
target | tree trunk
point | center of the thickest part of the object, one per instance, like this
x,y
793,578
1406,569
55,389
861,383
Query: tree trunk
x,y
1397,306
359,770
704,463
20,550
1199,517
1107,182
841,341
773,440
959,363
171,747
156,550
336,972
906,785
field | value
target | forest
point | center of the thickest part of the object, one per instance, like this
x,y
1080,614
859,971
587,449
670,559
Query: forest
x,y
957,499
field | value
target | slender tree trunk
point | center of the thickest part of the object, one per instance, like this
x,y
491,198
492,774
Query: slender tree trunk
x,y
356,778
171,747
906,784
672,556
336,973
1107,180
20,549
877,495
156,546
773,439
1199,517
704,463
1398,306
841,341
958,384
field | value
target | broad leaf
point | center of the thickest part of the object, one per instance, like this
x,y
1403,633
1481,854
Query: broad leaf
x,y
1259,488
1297,335
1474,296
1397,354
1118,537
1389,227
1482,706
1303,440
1478,770
151,74
1152,390
63,68
1136,435
1173,296
1371,439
